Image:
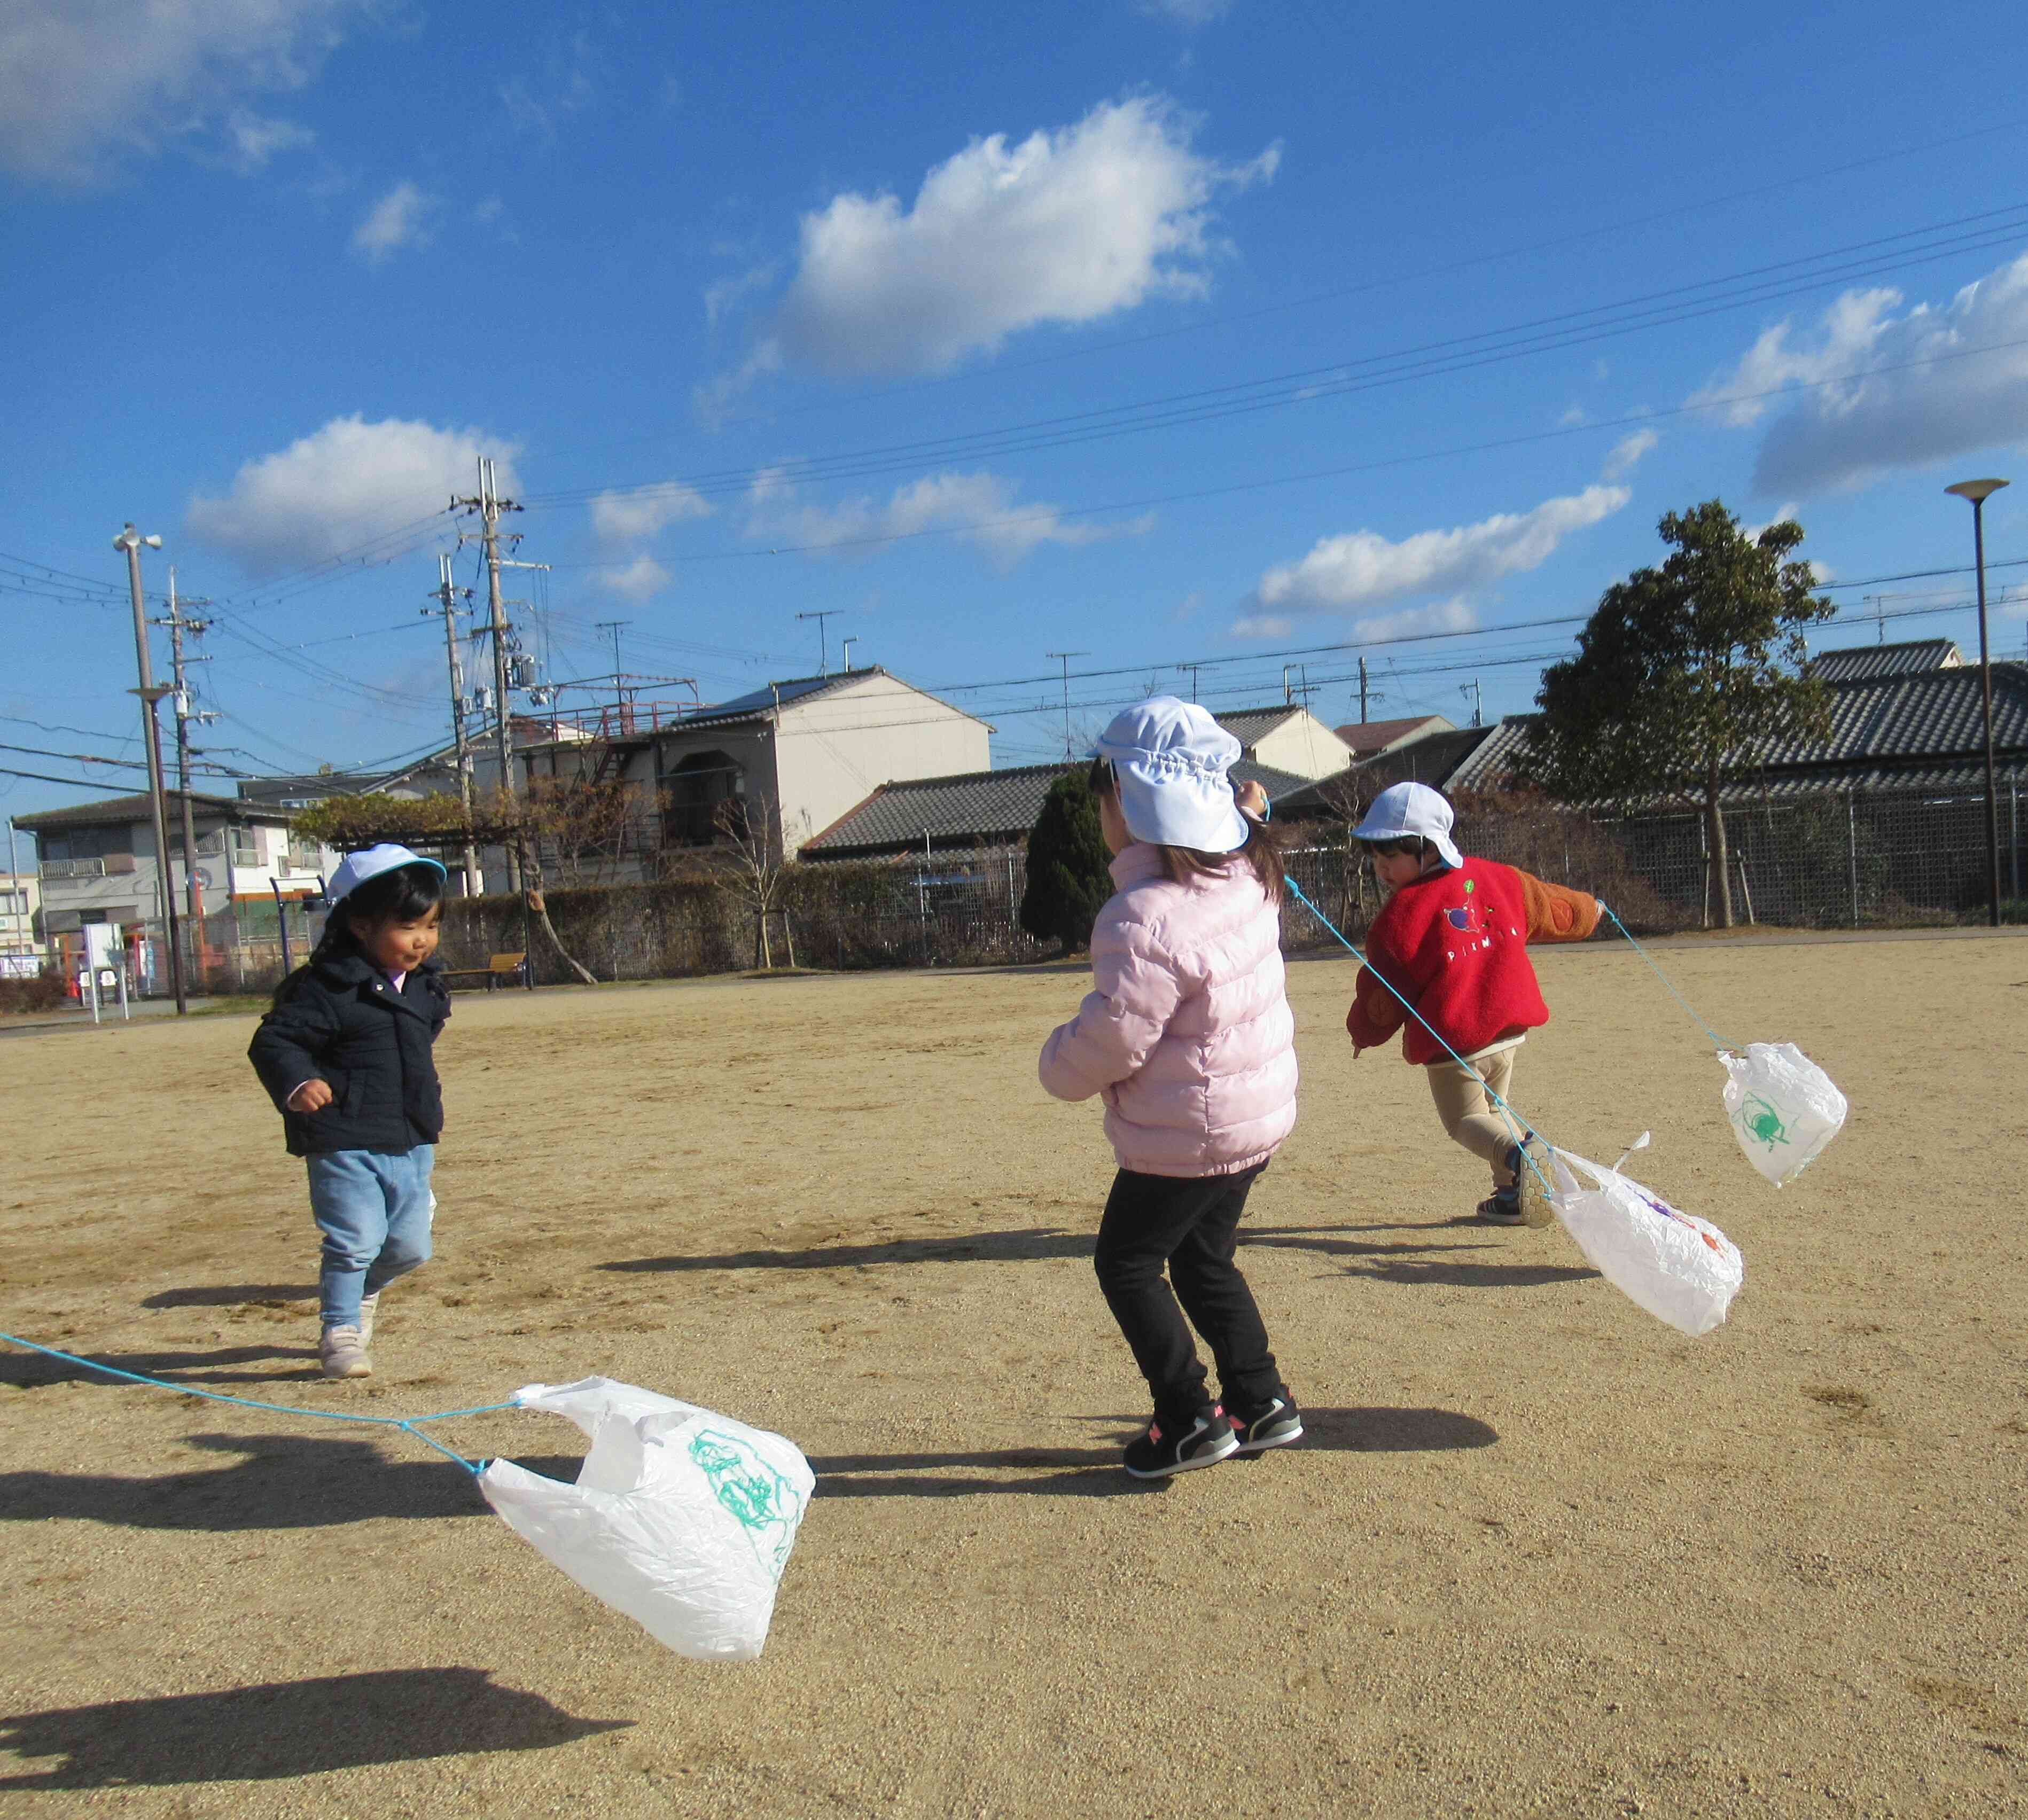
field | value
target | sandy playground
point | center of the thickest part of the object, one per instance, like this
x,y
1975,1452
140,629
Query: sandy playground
x,y
1539,1556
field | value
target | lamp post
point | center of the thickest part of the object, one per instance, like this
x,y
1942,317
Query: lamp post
x,y
1978,492
131,541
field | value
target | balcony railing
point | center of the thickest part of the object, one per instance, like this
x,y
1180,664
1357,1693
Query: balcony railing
x,y
73,868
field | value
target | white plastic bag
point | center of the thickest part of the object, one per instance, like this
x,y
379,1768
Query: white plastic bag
x,y
1680,1269
681,1519
1783,1107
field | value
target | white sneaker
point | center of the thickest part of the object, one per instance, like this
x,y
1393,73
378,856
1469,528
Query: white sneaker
x,y
343,1352
369,1306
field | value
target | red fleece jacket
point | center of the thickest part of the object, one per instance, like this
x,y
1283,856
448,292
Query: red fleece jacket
x,y
1454,943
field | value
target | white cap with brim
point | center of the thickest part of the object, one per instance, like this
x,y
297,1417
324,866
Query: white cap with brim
x,y
355,869
1411,808
1170,758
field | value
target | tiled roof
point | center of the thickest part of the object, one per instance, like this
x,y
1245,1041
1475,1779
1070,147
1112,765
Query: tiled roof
x,y
981,807
760,703
1367,737
121,811
1433,761
1869,663
1920,731
1249,726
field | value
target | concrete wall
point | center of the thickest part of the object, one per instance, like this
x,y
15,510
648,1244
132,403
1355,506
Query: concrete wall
x,y
837,750
1304,745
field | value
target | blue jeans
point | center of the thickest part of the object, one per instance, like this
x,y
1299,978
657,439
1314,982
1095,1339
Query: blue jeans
x,y
374,1211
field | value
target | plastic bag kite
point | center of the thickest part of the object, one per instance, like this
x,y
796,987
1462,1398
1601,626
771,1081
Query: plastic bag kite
x,y
681,1519
1680,1269
1783,1107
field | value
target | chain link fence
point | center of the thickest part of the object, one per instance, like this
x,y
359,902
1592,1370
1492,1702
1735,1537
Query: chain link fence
x,y
1840,859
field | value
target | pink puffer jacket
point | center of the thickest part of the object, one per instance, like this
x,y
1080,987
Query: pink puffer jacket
x,y
1187,1035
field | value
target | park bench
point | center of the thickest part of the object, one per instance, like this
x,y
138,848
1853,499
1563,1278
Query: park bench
x,y
513,968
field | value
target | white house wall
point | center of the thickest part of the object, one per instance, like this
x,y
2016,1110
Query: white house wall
x,y
835,750
1304,745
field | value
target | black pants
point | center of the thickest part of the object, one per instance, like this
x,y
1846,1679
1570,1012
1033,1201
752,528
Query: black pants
x,y
1191,1224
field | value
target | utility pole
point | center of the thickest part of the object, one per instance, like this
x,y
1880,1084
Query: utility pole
x,y
613,627
1477,711
488,504
1363,715
131,541
447,596
1066,656
1193,668
823,644
178,625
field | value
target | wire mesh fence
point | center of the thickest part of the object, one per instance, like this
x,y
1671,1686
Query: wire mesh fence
x,y
1846,859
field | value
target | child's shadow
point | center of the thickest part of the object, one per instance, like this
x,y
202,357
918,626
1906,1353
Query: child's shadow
x,y
1401,1263
31,1370
1096,1472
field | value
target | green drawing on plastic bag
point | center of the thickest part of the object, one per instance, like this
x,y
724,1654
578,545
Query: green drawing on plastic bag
x,y
767,1507
1759,1118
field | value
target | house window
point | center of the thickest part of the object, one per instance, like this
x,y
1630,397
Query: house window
x,y
245,852
13,903
692,794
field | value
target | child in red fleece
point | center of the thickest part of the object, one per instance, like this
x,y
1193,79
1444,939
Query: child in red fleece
x,y
1453,941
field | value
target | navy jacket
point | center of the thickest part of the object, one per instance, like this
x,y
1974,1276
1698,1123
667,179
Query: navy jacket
x,y
342,1023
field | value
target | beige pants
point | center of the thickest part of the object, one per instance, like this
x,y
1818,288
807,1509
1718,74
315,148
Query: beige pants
x,y
1468,1115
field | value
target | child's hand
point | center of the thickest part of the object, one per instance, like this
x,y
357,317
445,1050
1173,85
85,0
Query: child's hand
x,y
311,1097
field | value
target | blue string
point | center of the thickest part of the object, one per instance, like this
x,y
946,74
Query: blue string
x,y
1512,1116
1718,1042
410,1424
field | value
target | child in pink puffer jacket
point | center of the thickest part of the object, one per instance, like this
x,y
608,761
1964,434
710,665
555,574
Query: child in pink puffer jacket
x,y
1188,1038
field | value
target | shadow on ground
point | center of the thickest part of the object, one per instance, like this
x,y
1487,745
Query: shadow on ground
x,y
1029,1244
1416,1263
1020,1247
1096,1471
31,1370
229,1295
279,1729
279,1482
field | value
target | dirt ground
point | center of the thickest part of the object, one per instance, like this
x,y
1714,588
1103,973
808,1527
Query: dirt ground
x,y
1538,1556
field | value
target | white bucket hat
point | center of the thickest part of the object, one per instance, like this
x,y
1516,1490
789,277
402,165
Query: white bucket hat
x,y
1170,758
355,869
1411,808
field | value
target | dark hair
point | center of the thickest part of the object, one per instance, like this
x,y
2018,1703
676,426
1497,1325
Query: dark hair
x,y
1262,850
400,894
1417,846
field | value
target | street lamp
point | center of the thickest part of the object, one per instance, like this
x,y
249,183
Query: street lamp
x,y
131,541
1978,492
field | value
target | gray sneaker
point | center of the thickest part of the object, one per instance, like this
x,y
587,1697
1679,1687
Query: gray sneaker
x,y
343,1352
368,1307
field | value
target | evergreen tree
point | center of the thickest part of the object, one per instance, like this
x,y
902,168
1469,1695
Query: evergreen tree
x,y
1684,672
1068,879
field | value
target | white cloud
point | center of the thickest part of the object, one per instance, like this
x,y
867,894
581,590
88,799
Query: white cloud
x,y
720,298
1362,568
1626,454
399,218
330,492
982,508
637,514
84,82
537,108
1188,12
639,580
1847,431
1066,227
255,140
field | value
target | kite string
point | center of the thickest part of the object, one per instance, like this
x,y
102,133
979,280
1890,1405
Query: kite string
x,y
409,1424
1514,1117
1718,1042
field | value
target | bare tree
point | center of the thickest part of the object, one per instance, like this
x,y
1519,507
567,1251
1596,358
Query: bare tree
x,y
582,821
749,863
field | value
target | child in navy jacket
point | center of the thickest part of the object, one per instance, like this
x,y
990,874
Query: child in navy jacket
x,y
345,1055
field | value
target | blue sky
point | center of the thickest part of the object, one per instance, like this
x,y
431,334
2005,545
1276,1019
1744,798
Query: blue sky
x,y
1161,331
